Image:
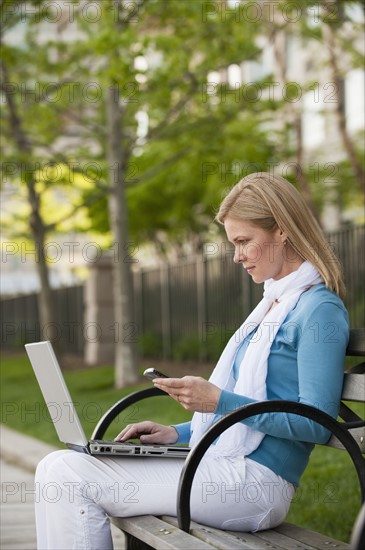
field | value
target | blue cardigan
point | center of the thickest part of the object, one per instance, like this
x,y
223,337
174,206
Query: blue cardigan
x,y
306,365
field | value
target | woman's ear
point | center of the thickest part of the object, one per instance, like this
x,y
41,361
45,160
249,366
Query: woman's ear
x,y
283,236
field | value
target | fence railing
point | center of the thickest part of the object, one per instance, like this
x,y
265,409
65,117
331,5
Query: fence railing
x,y
183,311
20,320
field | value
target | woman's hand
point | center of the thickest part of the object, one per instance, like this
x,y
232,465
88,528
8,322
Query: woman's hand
x,y
192,392
149,432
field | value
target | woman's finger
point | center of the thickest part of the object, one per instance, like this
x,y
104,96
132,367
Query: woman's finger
x,y
171,383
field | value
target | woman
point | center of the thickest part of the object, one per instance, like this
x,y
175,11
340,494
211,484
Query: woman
x,y
292,346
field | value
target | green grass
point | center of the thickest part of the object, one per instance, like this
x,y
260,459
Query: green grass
x,y
24,409
327,501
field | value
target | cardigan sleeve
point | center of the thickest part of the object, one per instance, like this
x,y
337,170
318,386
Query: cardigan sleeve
x,y
183,431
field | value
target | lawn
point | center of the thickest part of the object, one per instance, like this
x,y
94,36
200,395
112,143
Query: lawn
x,y
327,501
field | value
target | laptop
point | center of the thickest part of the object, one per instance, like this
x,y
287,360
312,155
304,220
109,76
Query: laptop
x,y
65,417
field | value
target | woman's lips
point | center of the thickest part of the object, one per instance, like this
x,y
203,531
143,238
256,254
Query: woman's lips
x,y
249,269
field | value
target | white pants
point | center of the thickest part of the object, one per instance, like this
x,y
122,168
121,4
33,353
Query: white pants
x,y
76,493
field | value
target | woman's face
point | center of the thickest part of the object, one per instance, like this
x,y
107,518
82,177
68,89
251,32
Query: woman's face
x,y
262,253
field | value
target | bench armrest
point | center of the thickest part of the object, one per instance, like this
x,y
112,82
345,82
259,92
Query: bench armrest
x,y
253,409
119,406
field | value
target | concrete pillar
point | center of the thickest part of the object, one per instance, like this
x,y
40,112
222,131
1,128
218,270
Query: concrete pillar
x,y
99,328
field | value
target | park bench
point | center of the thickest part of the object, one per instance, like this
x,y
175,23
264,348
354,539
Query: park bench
x,y
348,433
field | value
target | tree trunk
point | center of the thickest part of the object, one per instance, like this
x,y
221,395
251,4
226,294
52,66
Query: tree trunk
x,y
125,355
296,121
49,330
46,306
329,40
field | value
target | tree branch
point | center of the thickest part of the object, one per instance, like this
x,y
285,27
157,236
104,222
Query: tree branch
x,y
164,164
15,124
173,111
90,200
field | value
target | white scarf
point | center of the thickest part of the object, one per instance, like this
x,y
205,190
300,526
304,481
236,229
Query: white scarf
x,y
240,440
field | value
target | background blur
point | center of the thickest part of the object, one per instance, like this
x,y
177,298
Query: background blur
x,y
123,125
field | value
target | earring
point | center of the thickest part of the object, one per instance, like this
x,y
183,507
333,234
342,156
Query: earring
x,y
284,242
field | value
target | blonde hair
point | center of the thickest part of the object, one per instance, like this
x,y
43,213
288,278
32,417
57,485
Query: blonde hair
x,y
272,202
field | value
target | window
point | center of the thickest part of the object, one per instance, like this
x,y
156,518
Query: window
x,y
354,100
313,123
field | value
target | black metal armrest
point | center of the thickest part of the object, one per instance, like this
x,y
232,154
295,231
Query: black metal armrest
x,y
263,407
119,406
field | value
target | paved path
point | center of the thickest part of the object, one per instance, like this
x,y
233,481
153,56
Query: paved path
x,y
19,456
16,508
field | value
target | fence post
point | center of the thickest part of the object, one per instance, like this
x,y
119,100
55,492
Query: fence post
x,y
165,311
138,301
202,305
99,331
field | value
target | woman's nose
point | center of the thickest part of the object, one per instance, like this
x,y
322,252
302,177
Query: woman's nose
x,y
238,255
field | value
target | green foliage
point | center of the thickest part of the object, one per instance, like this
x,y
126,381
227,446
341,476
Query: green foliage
x,y
149,345
214,346
159,54
169,193
186,348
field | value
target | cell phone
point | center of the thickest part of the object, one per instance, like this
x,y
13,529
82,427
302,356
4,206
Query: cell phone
x,y
153,373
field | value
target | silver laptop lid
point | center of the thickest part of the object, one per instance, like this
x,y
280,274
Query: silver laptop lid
x,y
55,393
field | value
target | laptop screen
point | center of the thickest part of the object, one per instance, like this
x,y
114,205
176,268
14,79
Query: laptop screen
x,y
56,395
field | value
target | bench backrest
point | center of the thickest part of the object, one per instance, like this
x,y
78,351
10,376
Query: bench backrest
x,y
353,390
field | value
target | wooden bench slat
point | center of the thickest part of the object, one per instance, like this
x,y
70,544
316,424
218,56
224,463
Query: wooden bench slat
x,y
232,540
275,539
222,540
353,388
357,433
159,534
316,540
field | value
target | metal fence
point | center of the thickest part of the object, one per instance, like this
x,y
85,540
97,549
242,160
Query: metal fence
x,y
183,311
20,320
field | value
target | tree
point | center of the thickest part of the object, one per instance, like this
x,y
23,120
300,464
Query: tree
x,y
32,123
123,286
332,30
17,123
180,164
170,95
136,101
334,46
103,62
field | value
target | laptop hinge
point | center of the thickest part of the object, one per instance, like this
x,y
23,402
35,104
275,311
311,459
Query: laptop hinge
x,y
78,448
